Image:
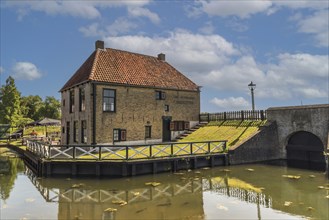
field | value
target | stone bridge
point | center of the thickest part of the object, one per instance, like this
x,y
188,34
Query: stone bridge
x,y
296,133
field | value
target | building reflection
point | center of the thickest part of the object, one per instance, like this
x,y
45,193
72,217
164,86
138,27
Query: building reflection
x,y
174,198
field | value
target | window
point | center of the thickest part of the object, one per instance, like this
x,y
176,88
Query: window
x,y
71,101
166,108
159,95
119,135
63,102
75,131
83,131
179,125
148,130
109,100
82,99
68,132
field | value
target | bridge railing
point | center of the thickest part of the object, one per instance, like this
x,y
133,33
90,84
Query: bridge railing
x,y
234,115
132,152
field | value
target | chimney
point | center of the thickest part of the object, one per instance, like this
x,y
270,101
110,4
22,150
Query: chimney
x,y
99,44
162,57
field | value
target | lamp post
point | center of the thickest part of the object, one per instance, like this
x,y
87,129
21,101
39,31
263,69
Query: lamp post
x,y
252,86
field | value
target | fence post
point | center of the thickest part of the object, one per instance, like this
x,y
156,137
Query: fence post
x,y
224,116
208,118
172,149
242,115
262,115
191,148
73,153
99,153
127,153
150,150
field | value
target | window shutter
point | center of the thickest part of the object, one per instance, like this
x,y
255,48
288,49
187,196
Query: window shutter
x,y
163,95
123,135
172,126
186,125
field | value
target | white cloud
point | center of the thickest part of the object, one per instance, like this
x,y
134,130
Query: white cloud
x,y
318,25
144,12
192,53
242,9
231,103
83,9
212,61
26,71
119,26
301,4
208,28
93,30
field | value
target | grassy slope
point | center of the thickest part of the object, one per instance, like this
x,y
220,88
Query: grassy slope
x,y
235,132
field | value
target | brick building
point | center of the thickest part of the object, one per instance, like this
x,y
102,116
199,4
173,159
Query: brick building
x,y
121,97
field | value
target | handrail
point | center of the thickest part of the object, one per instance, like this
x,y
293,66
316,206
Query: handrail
x,y
234,115
125,153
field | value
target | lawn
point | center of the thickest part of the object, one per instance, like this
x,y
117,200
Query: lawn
x,y
235,132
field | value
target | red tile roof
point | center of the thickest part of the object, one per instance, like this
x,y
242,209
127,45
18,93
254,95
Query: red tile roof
x,y
122,67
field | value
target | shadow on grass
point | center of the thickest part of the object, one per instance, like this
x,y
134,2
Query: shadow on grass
x,y
238,138
237,123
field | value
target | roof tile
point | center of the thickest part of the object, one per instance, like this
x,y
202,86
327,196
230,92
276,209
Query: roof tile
x,y
122,67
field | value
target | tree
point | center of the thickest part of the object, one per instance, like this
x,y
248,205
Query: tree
x,y
10,112
30,106
51,108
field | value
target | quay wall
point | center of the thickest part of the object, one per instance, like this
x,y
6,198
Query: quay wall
x,y
124,168
262,146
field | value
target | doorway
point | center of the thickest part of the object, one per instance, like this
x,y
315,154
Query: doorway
x,y
166,133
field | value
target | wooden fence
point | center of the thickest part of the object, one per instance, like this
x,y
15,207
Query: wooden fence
x,y
234,115
124,153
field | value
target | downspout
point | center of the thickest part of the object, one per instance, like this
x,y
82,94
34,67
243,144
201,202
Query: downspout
x,y
94,114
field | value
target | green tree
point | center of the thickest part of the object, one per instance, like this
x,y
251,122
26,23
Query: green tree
x,y
30,106
51,108
10,112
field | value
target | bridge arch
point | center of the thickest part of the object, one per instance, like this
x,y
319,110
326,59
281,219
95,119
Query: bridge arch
x,y
305,149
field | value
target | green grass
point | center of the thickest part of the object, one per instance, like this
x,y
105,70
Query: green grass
x,y
235,132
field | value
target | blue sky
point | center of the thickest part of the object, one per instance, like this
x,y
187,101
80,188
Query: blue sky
x,y
282,46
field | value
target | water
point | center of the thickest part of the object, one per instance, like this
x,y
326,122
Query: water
x,y
238,193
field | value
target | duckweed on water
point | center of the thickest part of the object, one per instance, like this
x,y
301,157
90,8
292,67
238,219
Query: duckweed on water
x,y
291,177
154,184
110,210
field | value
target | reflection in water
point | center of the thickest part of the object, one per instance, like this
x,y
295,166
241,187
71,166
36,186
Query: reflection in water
x,y
9,167
171,199
252,192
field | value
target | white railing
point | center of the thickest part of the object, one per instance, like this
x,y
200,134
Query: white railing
x,y
38,148
135,152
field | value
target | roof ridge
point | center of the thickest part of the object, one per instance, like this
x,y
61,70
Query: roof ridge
x,y
139,54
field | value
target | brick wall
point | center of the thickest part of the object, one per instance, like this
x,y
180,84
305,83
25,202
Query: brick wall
x,y
136,107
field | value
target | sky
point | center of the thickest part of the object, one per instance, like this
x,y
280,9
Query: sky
x,y
281,46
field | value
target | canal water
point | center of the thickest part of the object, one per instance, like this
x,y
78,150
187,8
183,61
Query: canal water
x,y
236,192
